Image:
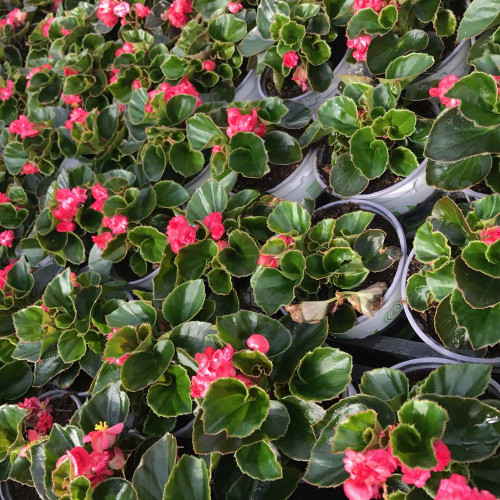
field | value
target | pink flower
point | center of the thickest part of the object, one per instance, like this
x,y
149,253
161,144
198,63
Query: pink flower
x,y
359,46
221,244
44,422
71,100
368,471
287,239
69,72
257,342
216,149
177,13
55,5
415,476
4,198
234,7
118,460
122,9
244,379
116,361
114,78
180,233
444,85
300,77
105,12
23,127
29,169
142,10
267,261
136,85
183,87
6,238
214,224
65,32
290,59
100,195
46,25
103,437
456,488
244,123
3,275
490,234
443,456
102,240
208,65
65,227
33,437
69,201
7,91
376,5
78,115
127,48
117,223
15,18
80,460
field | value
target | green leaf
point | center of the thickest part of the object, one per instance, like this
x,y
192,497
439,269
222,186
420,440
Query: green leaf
x,y
19,277
369,155
370,246
430,245
282,148
345,179
115,488
184,302
28,323
259,461
240,258
408,67
353,223
321,375
189,480
355,433
469,380
230,406
447,218
289,218
227,28
340,113
154,162
396,124
402,161
170,194
172,398
132,313
192,260
71,346
202,132
480,14
210,197
421,422
184,160
482,257
367,21
179,107
451,334
59,294
272,289
150,241
387,384
15,379
237,328
248,155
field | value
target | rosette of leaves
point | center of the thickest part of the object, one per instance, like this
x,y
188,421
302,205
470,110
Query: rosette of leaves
x,y
322,273
373,134
304,28
246,153
463,145
442,406
458,277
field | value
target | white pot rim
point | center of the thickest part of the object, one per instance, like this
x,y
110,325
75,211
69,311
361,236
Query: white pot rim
x,y
380,210
430,341
201,173
149,276
450,56
247,77
297,172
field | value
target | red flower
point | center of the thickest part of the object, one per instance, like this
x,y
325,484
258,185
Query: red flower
x,y
376,5
4,198
105,12
65,32
216,149
46,25
122,9
214,224
245,380
3,275
6,238
300,77
267,261
44,422
244,123
359,46
136,85
257,342
33,437
180,233
69,72
367,472
7,91
142,10
290,59
490,234
100,195
116,361
183,87
103,437
23,127
234,7
287,239
29,169
222,244
127,48
456,488
444,85
80,460
78,115
69,204
102,240
177,13
71,100
15,18
208,65
65,227
117,223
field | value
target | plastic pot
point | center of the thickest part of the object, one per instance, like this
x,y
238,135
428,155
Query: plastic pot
x,y
144,283
312,99
414,365
301,183
391,306
459,356
198,180
472,195
247,89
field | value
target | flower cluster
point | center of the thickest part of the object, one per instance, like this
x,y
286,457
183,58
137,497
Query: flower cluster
x,y
23,127
110,11
214,224
180,233
270,260
15,18
38,415
490,234
100,463
117,223
78,115
444,85
100,195
6,238
234,7
300,77
376,5
69,202
178,12
183,87
359,46
456,488
3,274
244,123
29,169
7,91
290,59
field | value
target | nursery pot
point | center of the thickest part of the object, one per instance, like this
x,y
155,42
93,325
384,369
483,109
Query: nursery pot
x,y
311,99
247,89
198,180
459,356
414,365
391,306
301,183
472,195
144,283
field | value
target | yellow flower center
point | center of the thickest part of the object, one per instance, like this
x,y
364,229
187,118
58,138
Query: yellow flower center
x,y
101,426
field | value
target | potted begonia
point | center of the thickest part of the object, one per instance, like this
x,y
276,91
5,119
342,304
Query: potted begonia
x,y
376,149
342,263
364,441
451,278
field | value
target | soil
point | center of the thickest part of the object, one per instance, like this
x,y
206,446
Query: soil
x,y
64,408
416,376
481,188
124,271
20,491
424,109
386,180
